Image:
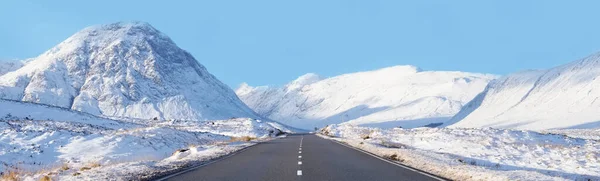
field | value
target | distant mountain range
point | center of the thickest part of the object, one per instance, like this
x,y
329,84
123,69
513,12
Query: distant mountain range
x,y
562,97
390,97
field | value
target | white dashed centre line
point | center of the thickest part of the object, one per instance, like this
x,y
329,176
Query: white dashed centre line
x,y
300,156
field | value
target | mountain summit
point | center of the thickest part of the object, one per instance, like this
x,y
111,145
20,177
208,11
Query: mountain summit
x,y
123,70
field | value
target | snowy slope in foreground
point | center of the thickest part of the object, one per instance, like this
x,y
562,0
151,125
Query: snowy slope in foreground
x,y
123,70
394,96
38,140
15,110
480,154
561,97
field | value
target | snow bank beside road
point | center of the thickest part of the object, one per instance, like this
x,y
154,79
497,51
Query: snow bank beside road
x,y
479,154
151,169
69,151
40,140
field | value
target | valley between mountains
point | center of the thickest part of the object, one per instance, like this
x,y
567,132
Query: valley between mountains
x,y
122,101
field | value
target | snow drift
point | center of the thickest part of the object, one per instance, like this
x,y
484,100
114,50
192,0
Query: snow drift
x,y
123,70
562,97
394,96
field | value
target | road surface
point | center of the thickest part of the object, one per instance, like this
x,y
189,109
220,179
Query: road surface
x,y
301,157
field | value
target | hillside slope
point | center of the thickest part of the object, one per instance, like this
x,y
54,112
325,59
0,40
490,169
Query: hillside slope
x,y
9,66
394,96
123,70
562,97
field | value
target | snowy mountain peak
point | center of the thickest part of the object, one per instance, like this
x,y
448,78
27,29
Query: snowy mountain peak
x,y
120,30
308,78
112,37
303,80
125,70
407,69
591,60
244,88
389,74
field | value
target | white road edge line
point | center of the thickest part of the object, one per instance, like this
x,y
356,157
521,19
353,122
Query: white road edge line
x,y
397,164
299,172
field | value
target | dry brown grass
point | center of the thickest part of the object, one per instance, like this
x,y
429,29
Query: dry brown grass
x,y
394,157
243,139
45,178
368,135
95,165
365,136
10,176
90,166
65,167
221,143
325,132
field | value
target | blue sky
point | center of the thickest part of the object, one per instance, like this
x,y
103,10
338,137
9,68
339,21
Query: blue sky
x,y
273,42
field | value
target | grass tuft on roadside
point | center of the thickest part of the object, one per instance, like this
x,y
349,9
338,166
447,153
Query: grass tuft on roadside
x,y
242,139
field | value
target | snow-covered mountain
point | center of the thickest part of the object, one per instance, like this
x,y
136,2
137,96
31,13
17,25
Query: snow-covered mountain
x,y
394,96
123,70
562,97
9,66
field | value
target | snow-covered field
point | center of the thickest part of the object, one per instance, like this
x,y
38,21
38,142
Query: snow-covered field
x,y
40,140
482,154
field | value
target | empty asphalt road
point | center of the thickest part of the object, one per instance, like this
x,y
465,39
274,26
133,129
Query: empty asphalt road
x,y
301,157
